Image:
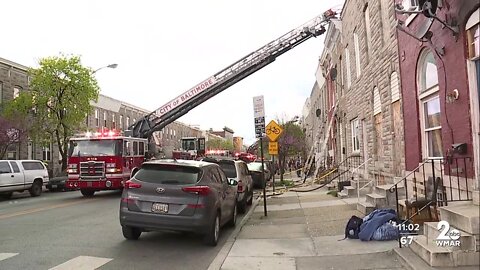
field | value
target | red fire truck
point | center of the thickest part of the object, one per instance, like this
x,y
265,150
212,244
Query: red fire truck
x,y
103,161
192,148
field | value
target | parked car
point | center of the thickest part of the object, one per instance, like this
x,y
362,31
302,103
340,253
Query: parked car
x,y
255,169
178,195
238,170
57,182
21,175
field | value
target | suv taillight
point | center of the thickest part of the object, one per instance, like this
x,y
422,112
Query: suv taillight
x,y
240,186
131,185
200,190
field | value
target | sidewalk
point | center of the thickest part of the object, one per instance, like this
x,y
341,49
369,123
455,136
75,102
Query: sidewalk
x,y
301,231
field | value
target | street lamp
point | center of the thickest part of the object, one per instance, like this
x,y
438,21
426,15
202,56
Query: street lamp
x,y
109,66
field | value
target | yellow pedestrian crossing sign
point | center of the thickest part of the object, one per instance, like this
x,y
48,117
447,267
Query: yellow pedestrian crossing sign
x,y
273,131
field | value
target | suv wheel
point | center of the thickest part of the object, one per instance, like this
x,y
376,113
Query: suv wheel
x,y
131,233
87,192
242,205
233,220
250,200
36,189
211,238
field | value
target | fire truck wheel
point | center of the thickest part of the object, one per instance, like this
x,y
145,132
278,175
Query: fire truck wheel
x,y
131,233
36,188
87,192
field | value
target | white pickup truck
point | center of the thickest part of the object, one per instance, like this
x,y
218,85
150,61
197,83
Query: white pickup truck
x,y
21,175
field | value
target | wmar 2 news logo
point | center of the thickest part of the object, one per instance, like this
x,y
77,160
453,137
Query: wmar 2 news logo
x,y
447,237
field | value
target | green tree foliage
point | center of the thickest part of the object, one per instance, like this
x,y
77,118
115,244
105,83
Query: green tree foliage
x,y
61,90
219,144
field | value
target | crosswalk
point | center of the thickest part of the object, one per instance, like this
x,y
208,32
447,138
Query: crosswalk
x,y
77,263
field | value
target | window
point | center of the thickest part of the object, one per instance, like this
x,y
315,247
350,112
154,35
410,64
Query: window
x,y
394,87
347,64
168,175
128,121
97,120
121,121
432,126
473,35
32,165
368,30
4,167
135,148
46,153
357,54
429,99
141,148
113,121
384,6
16,92
14,166
126,147
377,103
355,135
104,119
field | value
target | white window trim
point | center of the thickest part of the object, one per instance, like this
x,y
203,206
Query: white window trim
x,y
354,126
424,130
377,101
347,63
357,54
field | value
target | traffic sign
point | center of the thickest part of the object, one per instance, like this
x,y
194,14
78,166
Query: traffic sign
x,y
273,148
273,131
259,116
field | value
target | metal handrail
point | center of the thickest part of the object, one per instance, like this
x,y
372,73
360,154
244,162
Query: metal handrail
x,y
410,173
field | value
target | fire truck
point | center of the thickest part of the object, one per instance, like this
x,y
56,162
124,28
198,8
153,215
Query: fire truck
x,y
103,161
107,161
192,148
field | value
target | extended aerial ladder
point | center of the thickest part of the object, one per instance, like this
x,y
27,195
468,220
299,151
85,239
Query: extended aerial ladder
x,y
227,77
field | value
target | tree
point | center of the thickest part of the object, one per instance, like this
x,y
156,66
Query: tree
x,y
61,90
12,131
290,142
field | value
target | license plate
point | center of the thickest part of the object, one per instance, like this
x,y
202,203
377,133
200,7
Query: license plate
x,y
54,186
160,208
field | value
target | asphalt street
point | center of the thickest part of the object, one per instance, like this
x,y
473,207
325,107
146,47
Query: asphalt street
x,y
63,230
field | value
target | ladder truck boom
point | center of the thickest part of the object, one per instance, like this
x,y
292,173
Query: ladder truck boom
x,y
177,107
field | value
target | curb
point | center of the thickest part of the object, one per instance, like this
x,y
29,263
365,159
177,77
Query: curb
x,y
217,262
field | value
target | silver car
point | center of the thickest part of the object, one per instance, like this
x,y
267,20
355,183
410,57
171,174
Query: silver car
x,y
238,170
178,195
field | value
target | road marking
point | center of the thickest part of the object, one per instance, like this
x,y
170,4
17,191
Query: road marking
x,y
82,263
35,210
4,256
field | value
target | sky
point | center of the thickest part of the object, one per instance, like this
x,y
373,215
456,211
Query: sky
x,y
163,48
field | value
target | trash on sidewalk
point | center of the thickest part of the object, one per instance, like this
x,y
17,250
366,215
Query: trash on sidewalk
x,y
379,225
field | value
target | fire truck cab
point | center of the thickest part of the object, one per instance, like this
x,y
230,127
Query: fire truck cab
x,y
192,148
103,161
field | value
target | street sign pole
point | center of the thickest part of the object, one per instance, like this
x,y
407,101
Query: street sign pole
x,y
263,179
274,172
259,116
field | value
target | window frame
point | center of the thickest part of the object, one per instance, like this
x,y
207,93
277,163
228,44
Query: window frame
x,y
355,134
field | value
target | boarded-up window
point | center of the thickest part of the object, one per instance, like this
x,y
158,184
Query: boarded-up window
x,y
394,87
377,104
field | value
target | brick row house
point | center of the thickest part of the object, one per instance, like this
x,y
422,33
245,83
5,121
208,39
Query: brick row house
x,y
402,92
107,114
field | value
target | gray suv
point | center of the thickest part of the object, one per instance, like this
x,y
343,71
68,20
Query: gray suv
x,y
178,195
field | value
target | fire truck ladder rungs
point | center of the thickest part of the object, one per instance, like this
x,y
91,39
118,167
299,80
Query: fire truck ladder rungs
x,y
234,73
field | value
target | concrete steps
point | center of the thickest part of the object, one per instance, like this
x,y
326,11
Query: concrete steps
x,y
365,207
463,216
376,199
467,241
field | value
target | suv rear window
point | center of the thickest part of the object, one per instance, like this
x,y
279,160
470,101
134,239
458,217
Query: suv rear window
x,y
168,174
32,165
228,168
